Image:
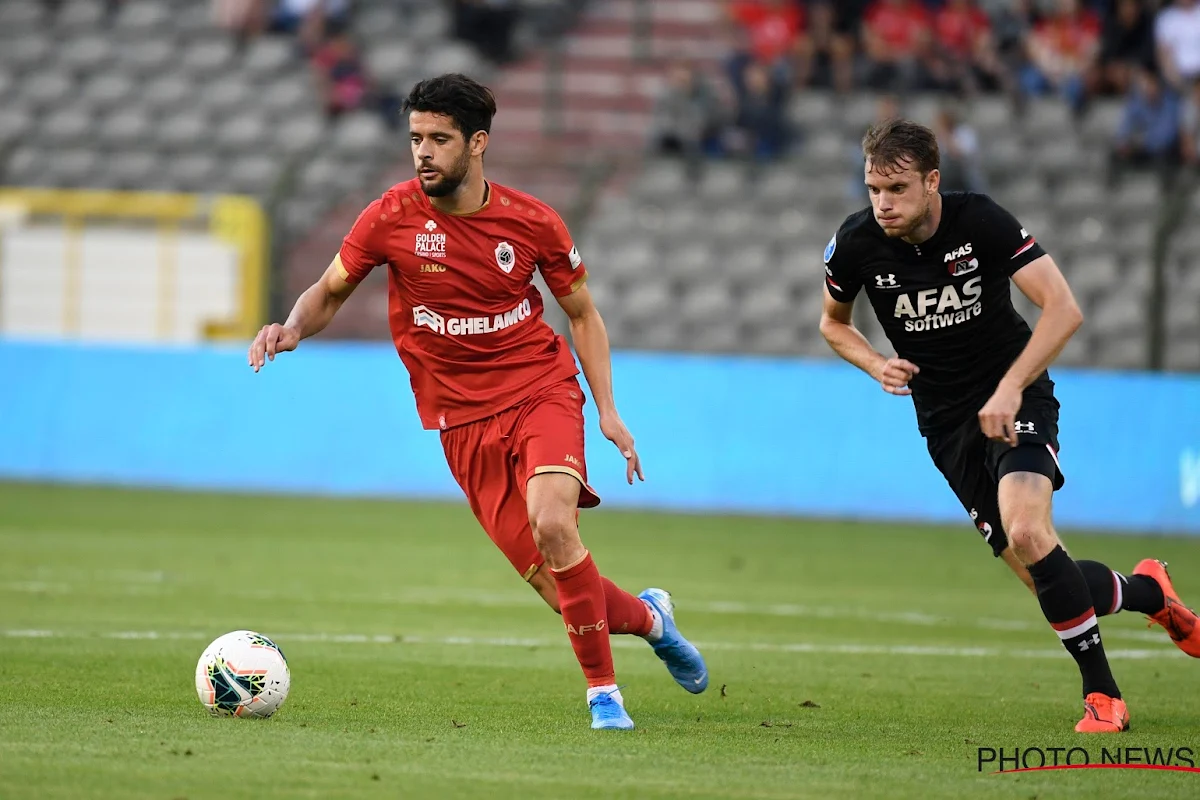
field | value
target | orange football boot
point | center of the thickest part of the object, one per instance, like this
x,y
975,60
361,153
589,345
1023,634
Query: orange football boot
x,y
1103,714
1178,620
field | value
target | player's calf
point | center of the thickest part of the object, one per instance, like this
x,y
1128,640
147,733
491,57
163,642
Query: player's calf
x,y
1062,590
552,501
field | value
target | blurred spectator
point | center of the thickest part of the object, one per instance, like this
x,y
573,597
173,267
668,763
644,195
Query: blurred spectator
x,y
687,118
760,127
1126,44
1189,130
245,19
962,169
1177,37
965,58
1012,25
344,83
826,53
341,77
1149,132
765,32
896,39
1062,49
487,24
308,19
772,28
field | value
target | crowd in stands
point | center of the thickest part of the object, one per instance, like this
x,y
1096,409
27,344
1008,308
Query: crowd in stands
x,y
321,30
1147,51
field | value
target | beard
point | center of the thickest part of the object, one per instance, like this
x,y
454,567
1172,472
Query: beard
x,y
448,180
917,221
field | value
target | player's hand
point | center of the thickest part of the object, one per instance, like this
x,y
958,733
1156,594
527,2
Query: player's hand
x,y
896,374
615,431
272,339
998,417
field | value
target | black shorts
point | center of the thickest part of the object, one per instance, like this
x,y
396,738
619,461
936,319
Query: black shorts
x,y
973,464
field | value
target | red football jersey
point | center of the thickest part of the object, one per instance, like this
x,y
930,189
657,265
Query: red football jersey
x,y
464,313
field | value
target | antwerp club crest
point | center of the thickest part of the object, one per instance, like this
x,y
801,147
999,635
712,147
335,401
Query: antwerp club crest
x,y
505,256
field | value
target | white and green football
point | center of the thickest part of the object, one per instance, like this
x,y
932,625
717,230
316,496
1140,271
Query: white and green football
x,y
242,674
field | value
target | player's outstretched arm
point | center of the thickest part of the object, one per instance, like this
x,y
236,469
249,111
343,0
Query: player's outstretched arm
x,y
312,312
591,344
848,342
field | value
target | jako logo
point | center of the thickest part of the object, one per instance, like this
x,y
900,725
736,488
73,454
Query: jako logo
x,y
582,629
965,250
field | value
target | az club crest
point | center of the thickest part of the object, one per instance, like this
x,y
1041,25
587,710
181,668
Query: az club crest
x,y
505,257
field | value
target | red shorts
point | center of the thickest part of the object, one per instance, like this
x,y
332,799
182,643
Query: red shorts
x,y
493,459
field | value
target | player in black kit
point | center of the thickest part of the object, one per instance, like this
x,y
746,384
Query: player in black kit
x,y
936,269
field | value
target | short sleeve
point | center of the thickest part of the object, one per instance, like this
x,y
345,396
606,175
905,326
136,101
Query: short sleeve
x,y
559,260
1003,238
362,248
841,274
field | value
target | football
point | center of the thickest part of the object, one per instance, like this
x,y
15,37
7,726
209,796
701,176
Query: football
x,y
242,674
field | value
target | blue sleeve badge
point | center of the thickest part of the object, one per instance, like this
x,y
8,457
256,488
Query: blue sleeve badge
x,y
829,248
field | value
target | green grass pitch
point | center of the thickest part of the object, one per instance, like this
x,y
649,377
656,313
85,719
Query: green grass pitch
x,y
847,660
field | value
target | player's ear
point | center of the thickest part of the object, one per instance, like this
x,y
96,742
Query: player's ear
x,y
479,143
933,180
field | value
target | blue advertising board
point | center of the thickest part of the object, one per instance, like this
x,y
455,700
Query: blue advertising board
x,y
717,433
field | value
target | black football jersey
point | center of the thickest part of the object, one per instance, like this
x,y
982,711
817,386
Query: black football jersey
x,y
944,304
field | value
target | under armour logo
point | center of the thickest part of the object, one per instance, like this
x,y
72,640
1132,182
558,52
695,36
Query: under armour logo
x,y
1086,643
885,280
1024,427
431,225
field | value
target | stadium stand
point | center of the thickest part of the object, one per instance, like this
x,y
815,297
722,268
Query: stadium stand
x,y
148,94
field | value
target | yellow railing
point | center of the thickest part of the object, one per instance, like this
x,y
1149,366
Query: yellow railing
x,y
236,220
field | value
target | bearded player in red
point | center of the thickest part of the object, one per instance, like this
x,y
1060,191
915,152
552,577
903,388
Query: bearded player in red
x,y
493,377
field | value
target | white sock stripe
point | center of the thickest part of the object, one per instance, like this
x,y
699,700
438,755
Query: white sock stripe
x,y
1081,628
1118,593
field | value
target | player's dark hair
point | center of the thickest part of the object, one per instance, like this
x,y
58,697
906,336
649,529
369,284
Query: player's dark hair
x,y
469,103
896,143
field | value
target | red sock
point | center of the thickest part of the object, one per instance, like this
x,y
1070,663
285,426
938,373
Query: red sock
x,y
626,613
581,600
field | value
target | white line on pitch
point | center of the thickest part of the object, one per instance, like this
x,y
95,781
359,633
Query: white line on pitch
x,y
620,641
436,596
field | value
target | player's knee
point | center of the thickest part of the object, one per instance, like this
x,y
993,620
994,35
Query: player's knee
x,y
553,530
1031,539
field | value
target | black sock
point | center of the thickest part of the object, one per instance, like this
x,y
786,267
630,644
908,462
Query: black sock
x,y
1067,604
1112,592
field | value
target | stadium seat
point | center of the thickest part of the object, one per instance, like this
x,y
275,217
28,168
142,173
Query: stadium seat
x,y
167,93
191,172
21,15
87,53
15,122
67,126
